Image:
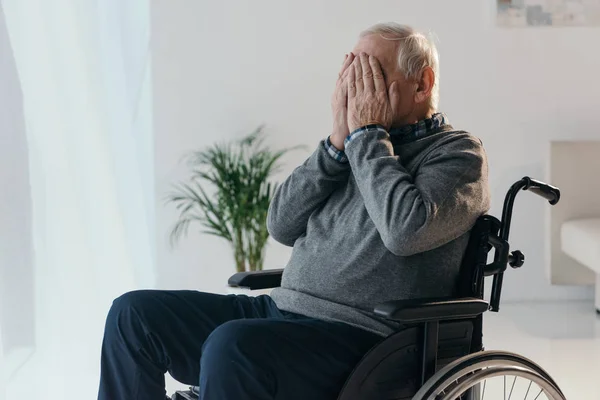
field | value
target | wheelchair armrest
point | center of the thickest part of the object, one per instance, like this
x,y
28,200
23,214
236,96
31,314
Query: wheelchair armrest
x,y
256,280
430,310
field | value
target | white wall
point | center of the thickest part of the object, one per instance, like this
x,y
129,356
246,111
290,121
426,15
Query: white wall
x,y
222,68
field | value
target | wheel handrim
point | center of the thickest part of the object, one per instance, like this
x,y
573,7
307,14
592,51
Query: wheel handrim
x,y
477,377
476,361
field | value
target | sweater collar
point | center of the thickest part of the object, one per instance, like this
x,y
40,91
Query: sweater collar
x,y
421,128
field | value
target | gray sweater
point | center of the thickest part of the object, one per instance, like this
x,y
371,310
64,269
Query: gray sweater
x,y
390,224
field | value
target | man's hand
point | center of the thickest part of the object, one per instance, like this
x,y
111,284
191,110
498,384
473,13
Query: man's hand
x,y
339,106
368,99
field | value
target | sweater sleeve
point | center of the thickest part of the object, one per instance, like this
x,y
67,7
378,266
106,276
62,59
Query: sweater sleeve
x,y
304,191
414,214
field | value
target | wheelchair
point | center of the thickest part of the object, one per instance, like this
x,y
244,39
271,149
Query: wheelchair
x,y
440,353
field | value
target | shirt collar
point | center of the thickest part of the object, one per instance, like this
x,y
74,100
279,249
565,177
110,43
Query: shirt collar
x,y
421,128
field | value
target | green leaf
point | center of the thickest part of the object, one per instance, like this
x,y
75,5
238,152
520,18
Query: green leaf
x,y
228,194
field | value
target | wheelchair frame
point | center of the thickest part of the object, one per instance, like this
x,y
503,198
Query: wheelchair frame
x,y
427,319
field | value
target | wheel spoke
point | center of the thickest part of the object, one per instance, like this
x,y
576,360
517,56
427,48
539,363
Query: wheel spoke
x,y
512,387
536,397
528,388
446,391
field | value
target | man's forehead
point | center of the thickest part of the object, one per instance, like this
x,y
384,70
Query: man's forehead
x,y
385,50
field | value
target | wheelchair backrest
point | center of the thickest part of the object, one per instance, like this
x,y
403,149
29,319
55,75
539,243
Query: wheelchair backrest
x,y
472,270
470,282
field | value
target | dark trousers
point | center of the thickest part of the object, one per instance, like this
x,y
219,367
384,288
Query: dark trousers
x,y
233,347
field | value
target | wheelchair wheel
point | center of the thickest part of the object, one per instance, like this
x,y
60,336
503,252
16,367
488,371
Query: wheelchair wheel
x,y
491,375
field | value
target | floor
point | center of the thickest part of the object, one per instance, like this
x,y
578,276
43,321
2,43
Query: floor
x,y
564,338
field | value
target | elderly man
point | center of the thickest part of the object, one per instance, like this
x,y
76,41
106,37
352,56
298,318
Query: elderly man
x,y
380,211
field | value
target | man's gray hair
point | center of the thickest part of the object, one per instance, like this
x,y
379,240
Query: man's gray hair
x,y
415,53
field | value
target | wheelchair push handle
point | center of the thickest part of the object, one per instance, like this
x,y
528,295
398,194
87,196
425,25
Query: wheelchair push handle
x,y
503,256
548,192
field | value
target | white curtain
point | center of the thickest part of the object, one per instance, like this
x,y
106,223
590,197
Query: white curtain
x,y
16,242
83,67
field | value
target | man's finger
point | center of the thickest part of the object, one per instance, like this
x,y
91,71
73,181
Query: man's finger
x,y
347,62
378,81
358,76
351,83
343,87
344,75
394,96
367,73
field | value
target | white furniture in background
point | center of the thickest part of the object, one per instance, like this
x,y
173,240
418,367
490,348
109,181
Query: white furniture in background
x,y
580,240
574,233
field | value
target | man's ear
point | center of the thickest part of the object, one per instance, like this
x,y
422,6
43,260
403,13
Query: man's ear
x,y
425,85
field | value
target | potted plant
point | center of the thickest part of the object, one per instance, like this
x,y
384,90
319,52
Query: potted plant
x,y
228,195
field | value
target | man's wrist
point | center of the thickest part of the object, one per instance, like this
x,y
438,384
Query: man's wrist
x,y
334,152
337,141
361,130
365,127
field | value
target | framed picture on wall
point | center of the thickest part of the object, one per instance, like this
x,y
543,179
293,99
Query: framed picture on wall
x,y
540,13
